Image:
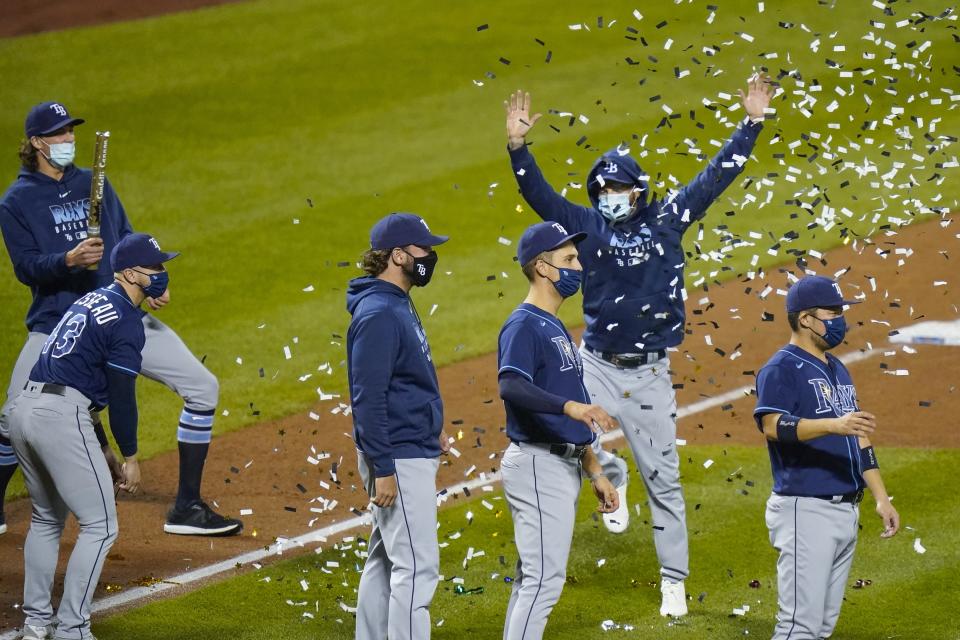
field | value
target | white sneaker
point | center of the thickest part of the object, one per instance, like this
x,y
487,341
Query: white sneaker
x,y
674,599
30,632
617,521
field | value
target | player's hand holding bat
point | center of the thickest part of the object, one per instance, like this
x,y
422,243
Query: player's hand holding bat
x,y
116,472
88,252
855,423
130,471
385,491
591,415
519,120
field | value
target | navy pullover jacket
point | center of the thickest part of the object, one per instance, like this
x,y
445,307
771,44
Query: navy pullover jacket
x,y
633,270
397,410
42,219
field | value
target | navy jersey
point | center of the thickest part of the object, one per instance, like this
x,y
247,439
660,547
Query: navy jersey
x,y
536,345
101,329
633,289
797,383
42,219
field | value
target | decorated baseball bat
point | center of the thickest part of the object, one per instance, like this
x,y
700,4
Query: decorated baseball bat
x,y
96,188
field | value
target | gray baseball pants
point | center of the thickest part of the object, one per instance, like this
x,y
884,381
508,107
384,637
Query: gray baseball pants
x,y
65,472
166,359
542,490
403,557
644,403
816,539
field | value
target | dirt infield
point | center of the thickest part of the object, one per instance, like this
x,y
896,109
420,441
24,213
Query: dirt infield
x,y
267,467
22,17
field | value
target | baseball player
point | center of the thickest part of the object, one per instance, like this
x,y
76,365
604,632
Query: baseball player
x,y
551,424
398,422
821,456
633,306
43,217
90,360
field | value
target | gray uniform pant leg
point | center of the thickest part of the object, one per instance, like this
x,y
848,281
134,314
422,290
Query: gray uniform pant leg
x,y
542,491
168,360
64,470
816,540
403,557
28,357
644,403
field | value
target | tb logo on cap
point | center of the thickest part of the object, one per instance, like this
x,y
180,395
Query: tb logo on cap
x,y
58,109
611,167
155,244
559,227
837,287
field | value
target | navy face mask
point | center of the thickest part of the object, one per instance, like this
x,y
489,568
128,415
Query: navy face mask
x,y
158,284
836,331
569,282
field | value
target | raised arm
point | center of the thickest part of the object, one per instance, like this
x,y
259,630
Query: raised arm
x,y
692,201
544,199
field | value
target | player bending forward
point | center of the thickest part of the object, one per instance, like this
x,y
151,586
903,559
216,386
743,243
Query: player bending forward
x,y
551,425
91,360
821,457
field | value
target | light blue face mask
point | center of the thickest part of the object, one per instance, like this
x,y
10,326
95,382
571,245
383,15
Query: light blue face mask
x,y
61,154
615,207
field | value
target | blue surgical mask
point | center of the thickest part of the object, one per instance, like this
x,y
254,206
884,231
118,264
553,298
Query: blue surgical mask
x,y
836,331
569,282
615,207
158,284
61,154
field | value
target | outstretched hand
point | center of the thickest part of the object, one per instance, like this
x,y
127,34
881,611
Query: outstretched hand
x,y
757,98
519,120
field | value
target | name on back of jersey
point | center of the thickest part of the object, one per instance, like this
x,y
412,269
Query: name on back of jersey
x,y
100,307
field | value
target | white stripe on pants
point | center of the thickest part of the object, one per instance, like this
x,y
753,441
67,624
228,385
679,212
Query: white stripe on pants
x,y
65,472
542,490
403,558
816,540
644,403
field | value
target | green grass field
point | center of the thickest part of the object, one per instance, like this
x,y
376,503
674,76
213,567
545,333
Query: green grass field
x,y
227,120
908,598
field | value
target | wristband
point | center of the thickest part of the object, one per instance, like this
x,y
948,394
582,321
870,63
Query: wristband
x,y
868,459
787,428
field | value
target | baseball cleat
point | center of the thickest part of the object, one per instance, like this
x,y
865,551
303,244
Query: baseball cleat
x,y
198,519
31,632
617,521
674,599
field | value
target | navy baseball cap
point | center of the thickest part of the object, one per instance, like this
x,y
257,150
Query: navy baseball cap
x,y
544,236
815,292
402,229
47,117
138,250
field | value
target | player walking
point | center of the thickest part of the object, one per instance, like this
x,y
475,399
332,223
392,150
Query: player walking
x,y
398,422
821,456
633,296
90,360
43,216
550,423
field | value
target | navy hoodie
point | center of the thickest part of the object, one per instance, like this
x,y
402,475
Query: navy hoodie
x,y
42,219
397,410
633,270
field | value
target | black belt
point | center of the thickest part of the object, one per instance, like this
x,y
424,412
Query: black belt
x,y
629,360
851,498
52,389
568,450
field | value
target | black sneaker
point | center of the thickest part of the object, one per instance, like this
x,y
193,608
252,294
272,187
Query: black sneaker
x,y
200,520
